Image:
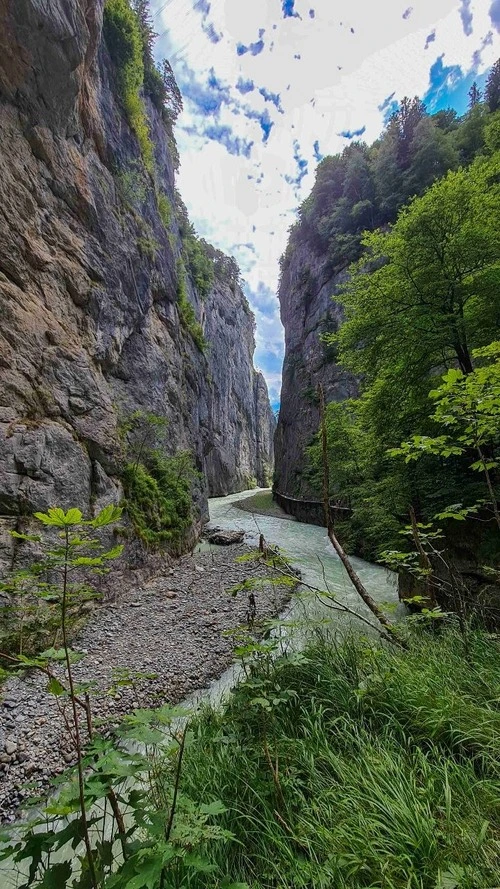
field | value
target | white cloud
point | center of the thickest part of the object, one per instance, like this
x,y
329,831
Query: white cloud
x,y
353,56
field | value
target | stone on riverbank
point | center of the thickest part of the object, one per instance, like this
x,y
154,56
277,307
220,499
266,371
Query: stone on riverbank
x,y
173,634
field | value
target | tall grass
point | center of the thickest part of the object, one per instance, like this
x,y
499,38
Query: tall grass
x,y
358,766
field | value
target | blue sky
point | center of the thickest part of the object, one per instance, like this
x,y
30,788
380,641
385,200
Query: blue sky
x,y
271,86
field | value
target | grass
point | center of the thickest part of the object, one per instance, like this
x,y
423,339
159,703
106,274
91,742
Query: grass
x,y
262,503
357,766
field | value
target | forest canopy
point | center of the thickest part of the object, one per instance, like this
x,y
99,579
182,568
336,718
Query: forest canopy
x,y
417,216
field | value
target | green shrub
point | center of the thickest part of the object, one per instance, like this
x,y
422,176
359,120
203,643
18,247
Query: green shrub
x,y
134,107
148,246
158,498
186,311
154,86
199,264
164,208
132,186
124,40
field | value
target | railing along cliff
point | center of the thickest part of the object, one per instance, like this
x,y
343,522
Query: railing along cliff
x,y
310,511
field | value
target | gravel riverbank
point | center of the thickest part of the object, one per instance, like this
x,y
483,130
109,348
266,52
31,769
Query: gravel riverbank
x,y
172,629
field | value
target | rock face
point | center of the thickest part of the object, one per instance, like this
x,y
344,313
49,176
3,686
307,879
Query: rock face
x,y
90,328
307,311
238,450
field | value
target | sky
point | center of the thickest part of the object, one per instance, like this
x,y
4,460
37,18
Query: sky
x,y
272,86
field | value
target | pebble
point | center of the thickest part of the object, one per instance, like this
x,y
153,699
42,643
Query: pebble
x,y
179,644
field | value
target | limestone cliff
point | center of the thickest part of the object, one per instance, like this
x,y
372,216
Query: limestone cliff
x,y
238,451
90,323
307,310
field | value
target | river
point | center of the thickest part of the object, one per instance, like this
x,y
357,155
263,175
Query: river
x,y
308,548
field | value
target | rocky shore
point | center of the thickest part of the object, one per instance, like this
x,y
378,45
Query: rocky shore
x,y
171,630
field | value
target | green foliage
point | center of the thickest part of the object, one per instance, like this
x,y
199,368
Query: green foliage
x,y
365,187
423,298
159,80
468,407
199,264
492,89
167,834
164,209
132,186
204,262
225,268
31,621
108,801
470,137
124,40
141,432
356,765
187,313
158,498
148,246
436,272
362,478
492,134
158,487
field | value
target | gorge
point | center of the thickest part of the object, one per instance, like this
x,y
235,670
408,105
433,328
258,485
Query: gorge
x,y
235,652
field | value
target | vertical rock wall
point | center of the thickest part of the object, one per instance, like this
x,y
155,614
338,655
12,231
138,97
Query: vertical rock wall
x,y
90,329
307,311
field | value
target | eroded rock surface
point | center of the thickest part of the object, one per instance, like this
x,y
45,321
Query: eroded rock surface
x,y
307,311
90,329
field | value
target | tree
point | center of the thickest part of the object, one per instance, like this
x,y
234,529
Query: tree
x,y
446,119
492,89
467,412
403,123
474,96
173,97
159,80
433,155
469,138
389,178
149,35
419,301
433,290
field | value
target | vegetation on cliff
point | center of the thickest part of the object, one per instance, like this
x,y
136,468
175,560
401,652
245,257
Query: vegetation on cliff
x,y
130,38
157,486
123,36
421,299
365,186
